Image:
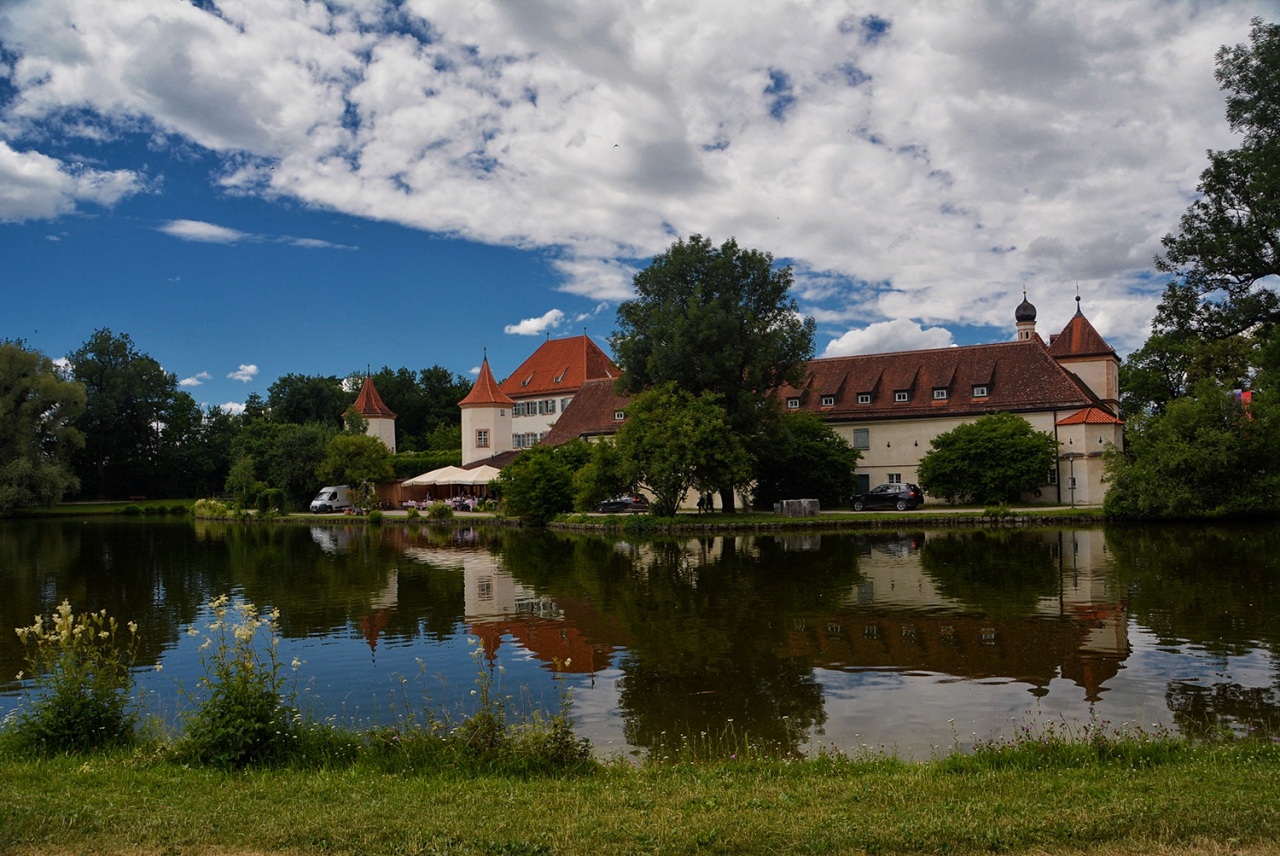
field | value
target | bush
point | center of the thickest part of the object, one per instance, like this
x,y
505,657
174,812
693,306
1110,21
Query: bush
x,y
375,517
412,513
211,508
83,682
994,459
239,715
439,511
131,510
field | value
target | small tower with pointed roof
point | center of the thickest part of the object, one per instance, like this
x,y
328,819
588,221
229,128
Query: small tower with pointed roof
x,y
1081,350
380,420
486,418
1025,315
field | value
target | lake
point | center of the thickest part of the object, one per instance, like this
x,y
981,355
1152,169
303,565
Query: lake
x,y
913,640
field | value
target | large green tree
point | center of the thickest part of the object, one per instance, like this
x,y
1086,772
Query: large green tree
x,y
718,320
996,458
302,399
1227,246
37,409
674,441
804,458
354,459
538,484
129,401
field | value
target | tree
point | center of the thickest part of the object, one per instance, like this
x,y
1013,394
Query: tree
x,y
538,484
602,477
354,459
804,458
293,459
673,441
717,320
129,398
37,409
1228,241
994,459
303,399
1205,455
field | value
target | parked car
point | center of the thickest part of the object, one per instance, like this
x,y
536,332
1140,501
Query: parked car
x,y
330,498
899,496
623,503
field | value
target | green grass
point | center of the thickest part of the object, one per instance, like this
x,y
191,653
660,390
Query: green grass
x,y
95,509
1223,798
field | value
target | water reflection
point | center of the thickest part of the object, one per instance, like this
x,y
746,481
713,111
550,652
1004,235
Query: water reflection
x,y
881,637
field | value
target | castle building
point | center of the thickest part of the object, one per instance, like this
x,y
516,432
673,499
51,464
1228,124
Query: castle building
x,y
380,420
517,413
890,406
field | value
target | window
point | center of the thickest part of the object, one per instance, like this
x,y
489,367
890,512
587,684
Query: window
x,y
939,395
864,398
895,478
1053,475
828,401
482,438
551,406
793,404
862,438
619,415
901,395
564,402
980,391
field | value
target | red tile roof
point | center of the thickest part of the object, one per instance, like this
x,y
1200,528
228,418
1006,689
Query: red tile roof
x,y
590,414
1079,339
559,367
1018,376
1090,416
369,403
485,390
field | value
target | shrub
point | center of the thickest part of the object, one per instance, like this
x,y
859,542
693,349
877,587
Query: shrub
x,y
131,510
439,511
375,517
83,682
211,508
239,715
412,513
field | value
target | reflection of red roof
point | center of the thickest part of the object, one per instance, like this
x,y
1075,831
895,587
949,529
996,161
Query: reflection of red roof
x,y
369,403
1090,416
1079,339
558,643
485,390
559,367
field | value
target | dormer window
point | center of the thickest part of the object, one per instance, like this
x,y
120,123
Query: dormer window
x,y
939,395
980,391
901,396
560,378
864,398
828,401
793,403
525,382
619,415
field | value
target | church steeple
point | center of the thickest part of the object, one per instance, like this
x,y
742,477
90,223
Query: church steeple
x,y
1025,315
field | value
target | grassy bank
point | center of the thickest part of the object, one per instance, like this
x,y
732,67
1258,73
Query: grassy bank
x,y
1210,799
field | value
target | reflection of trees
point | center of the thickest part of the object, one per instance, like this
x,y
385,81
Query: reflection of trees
x,y
707,624
1002,573
1202,711
1217,587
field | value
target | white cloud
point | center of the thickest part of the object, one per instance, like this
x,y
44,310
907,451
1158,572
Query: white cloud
x,y
317,244
198,230
245,373
196,379
899,334
34,186
52,238
534,326
965,150
475,370
235,408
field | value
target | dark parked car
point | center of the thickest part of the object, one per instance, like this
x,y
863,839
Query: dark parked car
x,y
623,503
899,496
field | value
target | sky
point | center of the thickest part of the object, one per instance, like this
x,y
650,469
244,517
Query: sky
x,y
252,188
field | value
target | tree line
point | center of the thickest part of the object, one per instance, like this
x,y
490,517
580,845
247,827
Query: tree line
x,y
113,424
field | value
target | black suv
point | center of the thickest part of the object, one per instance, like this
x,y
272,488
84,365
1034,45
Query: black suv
x,y
899,496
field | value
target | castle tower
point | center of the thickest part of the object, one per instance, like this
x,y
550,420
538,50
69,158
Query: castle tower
x,y
381,422
486,419
1081,350
1025,315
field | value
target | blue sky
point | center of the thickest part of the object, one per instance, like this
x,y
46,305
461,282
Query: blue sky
x,y
256,187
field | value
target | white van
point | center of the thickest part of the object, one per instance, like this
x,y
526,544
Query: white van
x,y
333,498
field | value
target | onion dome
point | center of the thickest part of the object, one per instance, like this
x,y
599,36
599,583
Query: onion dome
x,y
1025,311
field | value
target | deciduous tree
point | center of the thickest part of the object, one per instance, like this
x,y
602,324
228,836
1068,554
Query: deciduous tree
x,y
718,320
804,457
37,408
996,458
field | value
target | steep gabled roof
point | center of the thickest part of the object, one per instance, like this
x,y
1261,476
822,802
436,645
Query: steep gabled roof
x,y
559,367
485,390
591,413
1079,339
369,404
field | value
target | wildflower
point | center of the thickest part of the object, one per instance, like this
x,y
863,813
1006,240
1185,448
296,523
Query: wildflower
x,y
159,667
133,626
18,676
191,631
296,663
